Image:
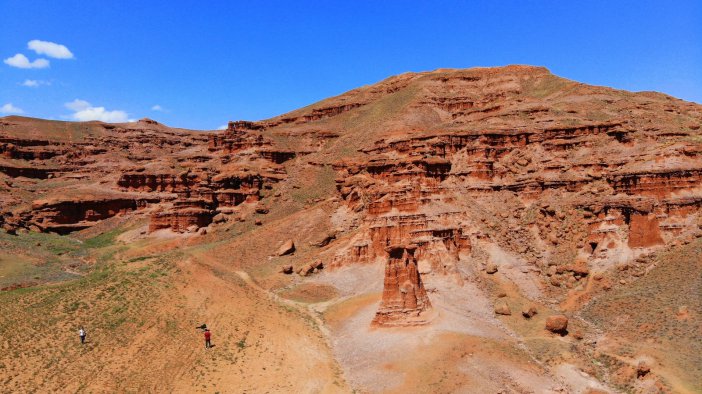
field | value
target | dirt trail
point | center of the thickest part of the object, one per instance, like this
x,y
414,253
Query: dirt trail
x,y
308,309
282,344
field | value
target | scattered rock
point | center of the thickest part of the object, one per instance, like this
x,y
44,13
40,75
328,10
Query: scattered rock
x,y
262,210
219,218
579,269
557,324
258,222
491,268
286,269
501,308
529,312
324,241
288,247
642,369
305,270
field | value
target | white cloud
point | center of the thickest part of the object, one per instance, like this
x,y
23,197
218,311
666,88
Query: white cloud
x,y
34,83
10,109
157,108
222,127
21,61
77,105
50,49
84,111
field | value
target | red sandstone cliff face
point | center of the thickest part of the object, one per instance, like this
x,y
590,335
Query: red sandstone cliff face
x,y
67,215
447,160
517,162
405,301
247,163
187,177
75,165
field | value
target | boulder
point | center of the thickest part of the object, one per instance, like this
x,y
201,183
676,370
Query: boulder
x,y
306,270
324,241
529,311
286,269
288,247
491,268
501,308
219,218
557,324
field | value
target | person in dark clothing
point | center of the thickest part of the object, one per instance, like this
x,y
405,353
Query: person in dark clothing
x,y
82,333
208,335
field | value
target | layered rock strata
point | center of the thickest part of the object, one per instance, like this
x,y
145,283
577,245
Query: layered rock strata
x,y
405,301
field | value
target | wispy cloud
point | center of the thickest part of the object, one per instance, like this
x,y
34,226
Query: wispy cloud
x,y
50,49
21,61
10,109
77,105
222,127
34,83
84,111
158,108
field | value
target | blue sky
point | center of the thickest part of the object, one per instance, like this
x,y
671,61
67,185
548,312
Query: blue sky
x,y
205,63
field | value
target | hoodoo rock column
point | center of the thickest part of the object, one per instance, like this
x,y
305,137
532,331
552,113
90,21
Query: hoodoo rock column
x,y
405,301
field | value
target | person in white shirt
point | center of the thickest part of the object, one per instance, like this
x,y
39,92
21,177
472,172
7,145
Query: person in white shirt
x,y
81,332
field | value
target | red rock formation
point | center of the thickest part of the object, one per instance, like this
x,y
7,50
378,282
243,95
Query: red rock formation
x,y
185,213
146,182
67,215
657,183
29,171
644,231
277,156
181,220
405,301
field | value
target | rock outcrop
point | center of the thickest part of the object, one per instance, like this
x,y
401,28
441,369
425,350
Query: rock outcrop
x,y
405,301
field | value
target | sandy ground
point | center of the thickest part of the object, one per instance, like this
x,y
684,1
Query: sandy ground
x,y
465,348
